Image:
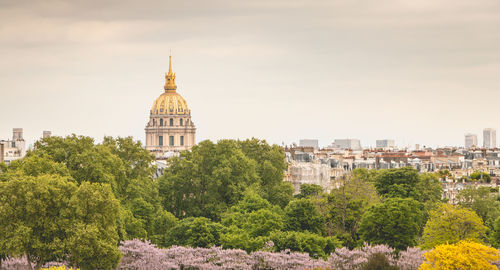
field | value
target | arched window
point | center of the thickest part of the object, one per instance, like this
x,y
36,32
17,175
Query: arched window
x,y
161,122
181,121
171,121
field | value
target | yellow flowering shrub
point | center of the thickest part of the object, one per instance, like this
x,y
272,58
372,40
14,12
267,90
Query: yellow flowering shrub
x,y
462,255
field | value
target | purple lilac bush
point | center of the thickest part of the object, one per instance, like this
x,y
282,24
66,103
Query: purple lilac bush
x,y
345,259
140,255
22,264
144,255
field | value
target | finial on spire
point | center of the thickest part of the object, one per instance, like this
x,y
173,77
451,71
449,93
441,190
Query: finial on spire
x,y
170,62
170,77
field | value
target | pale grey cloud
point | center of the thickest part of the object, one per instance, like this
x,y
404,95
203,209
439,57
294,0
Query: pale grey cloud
x,y
417,71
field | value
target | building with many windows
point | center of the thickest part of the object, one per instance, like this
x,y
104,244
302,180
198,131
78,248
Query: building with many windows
x,y
489,138
13,149
470,140
353,144
386,143
170,128
309,143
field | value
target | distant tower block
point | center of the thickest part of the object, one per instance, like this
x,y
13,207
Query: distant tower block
x,y
385,143
46,134
489,138
470,140
17,134
309,143
2,152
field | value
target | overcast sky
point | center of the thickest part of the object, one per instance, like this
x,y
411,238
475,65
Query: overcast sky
x,y
423,71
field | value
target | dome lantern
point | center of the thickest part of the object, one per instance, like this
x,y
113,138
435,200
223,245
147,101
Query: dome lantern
x,y
170,78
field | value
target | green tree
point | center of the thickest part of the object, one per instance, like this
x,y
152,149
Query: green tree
x,y
237,238
482,202
135,157
35,165
443,174
195,232
207,180
315,245
84,160
429,188
400,183
250,222
163,222
35,217
430,192
480,176
93,238
309,190
120,162
378,261
395,222
365,174
450,224
255,216
302,215
44,218
495,234
270,167
347,204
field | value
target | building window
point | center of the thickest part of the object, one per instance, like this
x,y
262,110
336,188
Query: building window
x,y
160,140
161,122
171,121
171,140
182,140
181,121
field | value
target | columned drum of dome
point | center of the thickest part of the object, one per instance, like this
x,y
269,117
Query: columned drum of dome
x,y
170,128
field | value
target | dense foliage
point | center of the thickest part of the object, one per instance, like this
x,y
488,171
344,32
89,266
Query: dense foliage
x,y
451,224
214,176
48,218
72,200
395,222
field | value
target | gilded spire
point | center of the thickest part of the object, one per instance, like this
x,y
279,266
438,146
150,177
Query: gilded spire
x,y
170,78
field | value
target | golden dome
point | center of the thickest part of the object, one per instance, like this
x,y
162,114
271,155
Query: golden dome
x,y
170,102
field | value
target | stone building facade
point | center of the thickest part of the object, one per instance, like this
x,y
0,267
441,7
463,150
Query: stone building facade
x,y
13,149
170,128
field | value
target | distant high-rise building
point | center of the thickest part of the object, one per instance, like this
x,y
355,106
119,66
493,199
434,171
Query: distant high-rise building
x,y
2,154
470,140
46,134
353,144
17,134
309,143
385,143
489,138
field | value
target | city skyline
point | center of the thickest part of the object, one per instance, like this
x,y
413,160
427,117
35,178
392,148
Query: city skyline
x,y
280,71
